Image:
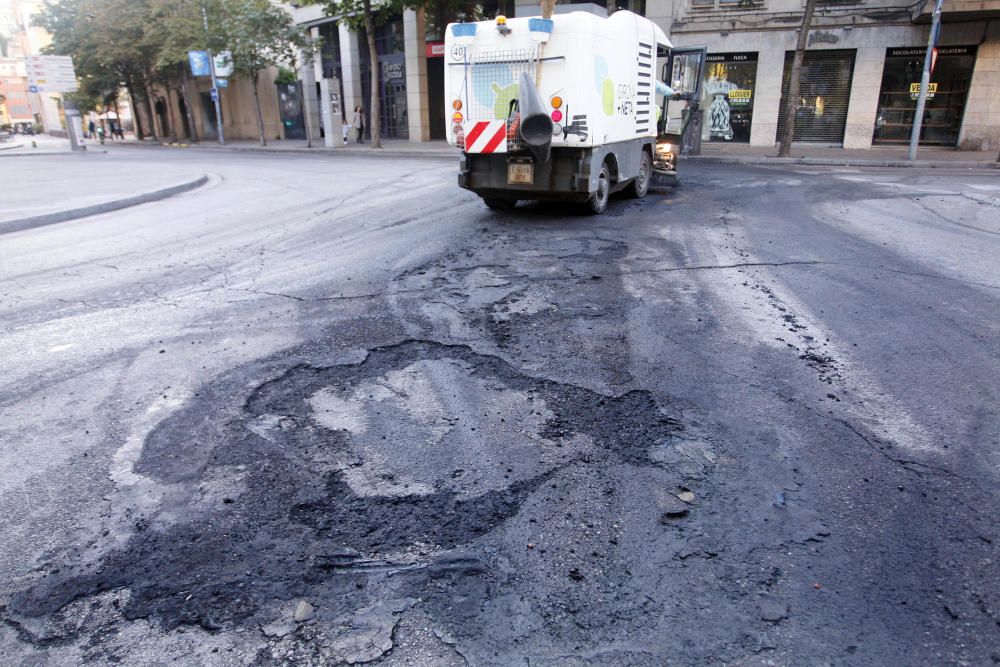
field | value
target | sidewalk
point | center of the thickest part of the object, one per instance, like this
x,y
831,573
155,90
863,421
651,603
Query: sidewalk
x,y
37,144
880,156
390,147
35,194
802,154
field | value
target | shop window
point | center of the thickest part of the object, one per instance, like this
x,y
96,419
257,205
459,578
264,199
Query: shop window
x,y
728,93
947,94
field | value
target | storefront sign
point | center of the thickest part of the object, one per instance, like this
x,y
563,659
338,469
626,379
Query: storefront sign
x,y
435,49
823,37
915,90
740,97
391,71
914,51
747,57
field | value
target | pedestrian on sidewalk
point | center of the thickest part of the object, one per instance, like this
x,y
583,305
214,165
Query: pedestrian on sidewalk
x,y
90,129
117,129
359,124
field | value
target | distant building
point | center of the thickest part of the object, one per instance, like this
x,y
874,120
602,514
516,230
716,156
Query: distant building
x,y
19,39
859,83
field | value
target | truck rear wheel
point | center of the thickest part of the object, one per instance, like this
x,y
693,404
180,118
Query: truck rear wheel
x,y
495,204
598,202
640,184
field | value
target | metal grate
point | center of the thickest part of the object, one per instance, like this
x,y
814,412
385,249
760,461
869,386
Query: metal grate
x,y
492,81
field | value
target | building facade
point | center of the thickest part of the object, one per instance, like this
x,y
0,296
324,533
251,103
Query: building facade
x,y
172,119
19,39
860,79
861,73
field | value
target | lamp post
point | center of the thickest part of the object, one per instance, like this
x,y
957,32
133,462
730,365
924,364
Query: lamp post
x,y
925,80
215,83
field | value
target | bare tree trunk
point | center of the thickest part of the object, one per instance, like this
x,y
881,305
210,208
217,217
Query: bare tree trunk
x,y
135,109
154,128
193,131
376,111
792,103
260,116
118,116
171,125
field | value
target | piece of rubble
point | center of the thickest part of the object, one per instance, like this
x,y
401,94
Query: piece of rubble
x,y
304,612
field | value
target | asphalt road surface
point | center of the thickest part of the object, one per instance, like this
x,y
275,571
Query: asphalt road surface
x,y
333,410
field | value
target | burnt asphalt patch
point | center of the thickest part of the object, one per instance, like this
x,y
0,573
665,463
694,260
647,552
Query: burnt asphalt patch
x,y
267,520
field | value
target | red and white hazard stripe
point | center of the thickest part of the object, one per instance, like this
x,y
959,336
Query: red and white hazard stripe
x,y
486,136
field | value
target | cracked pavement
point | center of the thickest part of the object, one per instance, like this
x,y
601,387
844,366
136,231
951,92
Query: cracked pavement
x,y
331,410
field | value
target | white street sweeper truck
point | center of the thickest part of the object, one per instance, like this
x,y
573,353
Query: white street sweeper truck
x,y
564,108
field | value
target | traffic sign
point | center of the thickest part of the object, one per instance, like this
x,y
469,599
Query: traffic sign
x,y
215,94
51,74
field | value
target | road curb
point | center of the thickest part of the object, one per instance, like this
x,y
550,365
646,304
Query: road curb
x,y
10,148
364,152
41,152
20,224
841,162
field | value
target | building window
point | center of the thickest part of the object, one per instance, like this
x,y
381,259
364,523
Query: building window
x,y
946,95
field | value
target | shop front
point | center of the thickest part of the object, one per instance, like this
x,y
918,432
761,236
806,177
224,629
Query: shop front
x,y
824,95
392,79
951,76
728,96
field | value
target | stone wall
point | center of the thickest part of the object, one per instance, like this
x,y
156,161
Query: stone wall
x,y
981,125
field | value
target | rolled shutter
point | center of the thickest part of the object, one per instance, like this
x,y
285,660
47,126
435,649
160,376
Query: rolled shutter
x,y
824,93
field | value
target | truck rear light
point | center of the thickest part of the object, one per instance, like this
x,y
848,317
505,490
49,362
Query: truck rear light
x,y
457,105
557,102
457,117
557,116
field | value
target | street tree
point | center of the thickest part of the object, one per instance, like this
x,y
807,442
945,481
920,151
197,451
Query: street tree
x,y
259,35
792,103
108,42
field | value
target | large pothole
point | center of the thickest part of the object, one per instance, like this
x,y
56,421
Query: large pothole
x,y
330,476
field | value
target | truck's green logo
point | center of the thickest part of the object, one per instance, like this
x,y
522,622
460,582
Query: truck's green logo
x,y
504,96
605,86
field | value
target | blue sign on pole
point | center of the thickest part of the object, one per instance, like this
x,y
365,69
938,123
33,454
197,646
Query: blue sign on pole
x,y
222,83
32,89
199,63
215,94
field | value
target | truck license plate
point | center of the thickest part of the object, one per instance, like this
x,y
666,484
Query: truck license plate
x,y
520,172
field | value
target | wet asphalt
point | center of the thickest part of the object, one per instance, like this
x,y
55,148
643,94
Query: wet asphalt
x,y
335,411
